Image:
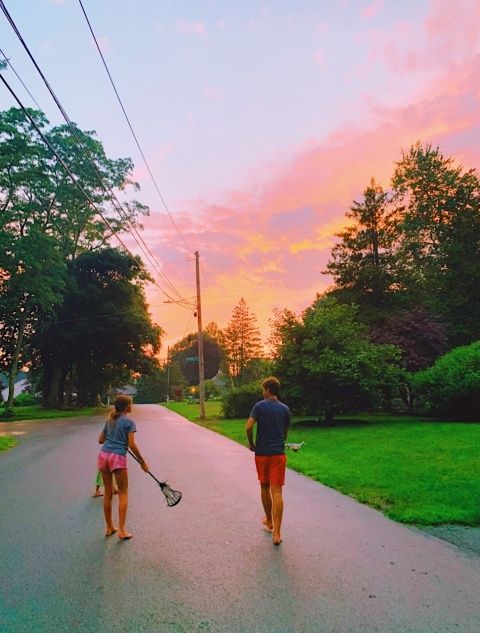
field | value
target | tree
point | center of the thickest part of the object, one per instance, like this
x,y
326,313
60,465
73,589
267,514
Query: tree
x,y
152,385
46,222
242,341
363,262
420,336
437,219
452,385
185,353
101,333
327,364
31,283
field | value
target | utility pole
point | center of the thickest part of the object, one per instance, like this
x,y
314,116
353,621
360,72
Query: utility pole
x,y
168,375
201,365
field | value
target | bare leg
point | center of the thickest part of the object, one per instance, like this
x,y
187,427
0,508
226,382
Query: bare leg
x,y
267,505
107,502
121,475
277,513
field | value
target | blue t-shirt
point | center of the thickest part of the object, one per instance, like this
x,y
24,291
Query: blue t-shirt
x,y
116,435
272,418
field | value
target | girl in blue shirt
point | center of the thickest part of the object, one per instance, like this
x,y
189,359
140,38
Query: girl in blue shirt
x,y
116,437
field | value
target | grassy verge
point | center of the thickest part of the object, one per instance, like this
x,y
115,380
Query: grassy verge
x,y
36,412
7,442
415,471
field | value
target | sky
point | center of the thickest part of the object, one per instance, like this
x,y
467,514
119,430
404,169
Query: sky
x,y
261,121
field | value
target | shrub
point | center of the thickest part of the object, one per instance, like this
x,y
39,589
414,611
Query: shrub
x,y
451,386
238,402
25,400
8,413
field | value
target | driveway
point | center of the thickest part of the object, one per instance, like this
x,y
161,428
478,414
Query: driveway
x,y
207,565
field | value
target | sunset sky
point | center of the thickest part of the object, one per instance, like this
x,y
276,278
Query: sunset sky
x,y
261,122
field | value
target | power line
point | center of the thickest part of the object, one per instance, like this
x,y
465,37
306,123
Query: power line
x,y
131,127
63,164
7,60
146,251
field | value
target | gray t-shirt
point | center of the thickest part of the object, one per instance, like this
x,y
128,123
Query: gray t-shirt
x,y
116,434
272,418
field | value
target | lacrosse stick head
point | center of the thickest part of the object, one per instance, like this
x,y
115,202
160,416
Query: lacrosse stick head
x,y
172,497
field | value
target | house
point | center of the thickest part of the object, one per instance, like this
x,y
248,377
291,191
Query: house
x,y
126,390
21,384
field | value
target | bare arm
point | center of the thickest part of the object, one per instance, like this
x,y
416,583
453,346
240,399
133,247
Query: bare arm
x,y
133,447
249,430
101,438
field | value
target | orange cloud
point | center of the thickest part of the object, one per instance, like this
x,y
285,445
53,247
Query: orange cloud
x,y
269,241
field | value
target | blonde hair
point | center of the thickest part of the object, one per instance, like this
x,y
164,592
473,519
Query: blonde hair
x,y
121,405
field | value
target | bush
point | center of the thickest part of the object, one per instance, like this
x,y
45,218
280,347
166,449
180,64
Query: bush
x,y
8,414
25,400
238,402
451,386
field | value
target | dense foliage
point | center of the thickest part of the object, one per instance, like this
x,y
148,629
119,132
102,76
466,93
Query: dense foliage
x,y
238,402
452,385
47,226
328,365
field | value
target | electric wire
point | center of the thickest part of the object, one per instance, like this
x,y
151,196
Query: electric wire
x,y
63,164
7,60
131,127
146,251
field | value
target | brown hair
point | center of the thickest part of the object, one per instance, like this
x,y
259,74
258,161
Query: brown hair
x,y
121,405
272,384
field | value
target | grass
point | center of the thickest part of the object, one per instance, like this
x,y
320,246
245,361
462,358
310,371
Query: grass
x,y
414,470
7,442
36,412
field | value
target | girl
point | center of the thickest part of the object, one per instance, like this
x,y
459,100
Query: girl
x,y
116,437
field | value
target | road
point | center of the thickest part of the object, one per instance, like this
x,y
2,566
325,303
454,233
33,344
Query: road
x,y
207,566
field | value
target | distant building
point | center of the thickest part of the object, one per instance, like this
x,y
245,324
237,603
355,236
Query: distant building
x,y
126,390
21,384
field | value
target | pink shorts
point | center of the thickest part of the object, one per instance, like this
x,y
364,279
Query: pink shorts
x,y
111,461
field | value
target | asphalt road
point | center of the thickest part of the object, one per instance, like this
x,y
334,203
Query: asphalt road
x,y
207,566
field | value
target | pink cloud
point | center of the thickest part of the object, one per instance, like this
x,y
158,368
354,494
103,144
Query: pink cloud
x,y
319,58
192,27
371,9
269,241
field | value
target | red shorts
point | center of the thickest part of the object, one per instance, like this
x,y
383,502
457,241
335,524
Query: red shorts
x,y
111,461
271,469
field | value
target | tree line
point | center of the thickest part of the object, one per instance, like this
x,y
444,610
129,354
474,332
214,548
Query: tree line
x,y
72,308
403,306
405,293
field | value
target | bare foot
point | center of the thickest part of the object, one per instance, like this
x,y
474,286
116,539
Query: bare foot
x,y
110,531
123,536
277,539
97,493
267,523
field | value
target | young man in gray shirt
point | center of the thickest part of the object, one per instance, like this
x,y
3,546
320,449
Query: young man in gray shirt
x,y
272,418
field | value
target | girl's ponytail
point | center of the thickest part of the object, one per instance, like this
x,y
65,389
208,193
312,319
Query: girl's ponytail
x,y
121,405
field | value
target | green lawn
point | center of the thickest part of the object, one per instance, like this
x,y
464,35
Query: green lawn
x,y
7,442
35,412
414,470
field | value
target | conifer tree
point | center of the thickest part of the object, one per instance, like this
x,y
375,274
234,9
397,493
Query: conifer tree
x,y
242,341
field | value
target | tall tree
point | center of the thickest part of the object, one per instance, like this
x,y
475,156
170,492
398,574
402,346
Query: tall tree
x,y
32,280
327,364
242,341
363,262
437,217
101,333
45,221
185,353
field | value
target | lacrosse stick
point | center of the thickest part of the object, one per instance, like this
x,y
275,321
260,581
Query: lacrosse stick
x,y
172,496
293,446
